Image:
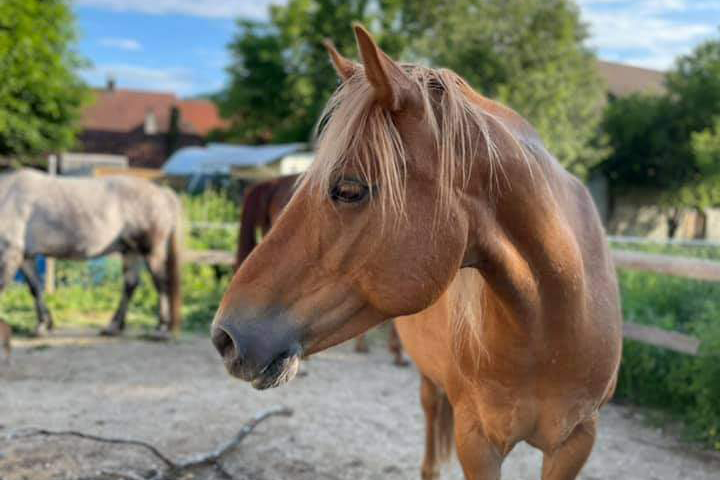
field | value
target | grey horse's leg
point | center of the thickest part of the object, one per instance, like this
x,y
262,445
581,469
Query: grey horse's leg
x,y
132,264
45,321
10,261
158,271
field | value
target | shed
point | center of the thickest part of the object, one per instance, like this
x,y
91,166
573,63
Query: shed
x,y
199,166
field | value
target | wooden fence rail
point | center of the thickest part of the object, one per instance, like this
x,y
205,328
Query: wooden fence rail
x,y
208,257
696,268
648,262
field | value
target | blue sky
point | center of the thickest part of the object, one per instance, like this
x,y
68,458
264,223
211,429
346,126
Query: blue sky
x,y
180,45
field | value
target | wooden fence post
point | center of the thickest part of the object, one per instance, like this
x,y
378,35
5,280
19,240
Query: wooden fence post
x,y
50,262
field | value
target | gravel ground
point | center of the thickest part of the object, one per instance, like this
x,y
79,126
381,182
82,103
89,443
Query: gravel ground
x,y
356,417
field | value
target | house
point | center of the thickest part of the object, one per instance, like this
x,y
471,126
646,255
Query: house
x,y
243,163
623,80
145,127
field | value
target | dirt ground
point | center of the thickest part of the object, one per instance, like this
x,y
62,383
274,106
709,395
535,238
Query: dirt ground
x,y
356,417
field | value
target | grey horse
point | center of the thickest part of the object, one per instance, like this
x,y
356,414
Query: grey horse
x,y
80,218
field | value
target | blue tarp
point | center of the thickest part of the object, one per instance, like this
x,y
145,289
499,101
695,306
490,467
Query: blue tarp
x,y
217,158
39,268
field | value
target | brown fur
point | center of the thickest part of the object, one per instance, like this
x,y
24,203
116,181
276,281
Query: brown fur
x,y
492,254
5,339
262,205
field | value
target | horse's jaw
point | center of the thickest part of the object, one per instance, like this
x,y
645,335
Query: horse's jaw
x,y
277,373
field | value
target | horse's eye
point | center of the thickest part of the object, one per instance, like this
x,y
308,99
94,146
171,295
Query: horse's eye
x,y
348,191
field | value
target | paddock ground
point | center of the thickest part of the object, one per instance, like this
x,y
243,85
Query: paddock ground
x,y
356,417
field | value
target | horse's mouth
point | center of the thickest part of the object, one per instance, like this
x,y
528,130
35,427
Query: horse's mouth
x,y
278,372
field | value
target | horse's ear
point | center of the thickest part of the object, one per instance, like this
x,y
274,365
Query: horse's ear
x,y
344,67
387,78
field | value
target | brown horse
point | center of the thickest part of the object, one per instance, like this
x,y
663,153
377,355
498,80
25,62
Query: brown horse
x,y
427,199
5,339
262,205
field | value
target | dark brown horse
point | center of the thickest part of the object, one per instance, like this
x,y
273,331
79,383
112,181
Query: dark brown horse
x,y
5,339
262,205
431,201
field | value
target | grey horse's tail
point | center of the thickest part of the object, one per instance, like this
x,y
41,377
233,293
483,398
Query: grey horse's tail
x,y
172,267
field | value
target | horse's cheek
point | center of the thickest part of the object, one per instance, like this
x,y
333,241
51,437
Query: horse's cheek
x,y
410,275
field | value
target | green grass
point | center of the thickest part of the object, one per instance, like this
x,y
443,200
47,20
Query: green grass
x,y
79,303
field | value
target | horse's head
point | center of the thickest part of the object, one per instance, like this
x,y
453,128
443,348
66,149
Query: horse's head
x,y
377,228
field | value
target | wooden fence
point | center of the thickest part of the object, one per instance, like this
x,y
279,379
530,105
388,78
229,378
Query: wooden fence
x,y
694,268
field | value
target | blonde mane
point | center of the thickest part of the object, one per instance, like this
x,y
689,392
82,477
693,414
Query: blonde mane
x,y
354,128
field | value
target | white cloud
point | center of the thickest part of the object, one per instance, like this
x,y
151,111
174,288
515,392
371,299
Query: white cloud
x,y
647,33
177,80
121,43
202,8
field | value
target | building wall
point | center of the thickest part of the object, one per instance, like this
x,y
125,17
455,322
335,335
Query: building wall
x,y
639,214
295,163
142,150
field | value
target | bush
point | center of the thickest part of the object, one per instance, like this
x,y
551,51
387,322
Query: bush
x,y
684,386
211,207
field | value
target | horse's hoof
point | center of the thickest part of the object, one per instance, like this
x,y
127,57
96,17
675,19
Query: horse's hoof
x,y
363,349
429,474
401,362
110,332
40,331
159,336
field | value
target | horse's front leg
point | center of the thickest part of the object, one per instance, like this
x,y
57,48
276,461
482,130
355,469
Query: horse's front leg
x,y
45,321
157,263
361,345
565,462
131,278
479,458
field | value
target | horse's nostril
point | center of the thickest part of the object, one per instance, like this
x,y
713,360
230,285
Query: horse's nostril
x,y
223,343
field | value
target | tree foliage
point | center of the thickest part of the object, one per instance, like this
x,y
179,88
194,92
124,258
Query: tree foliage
x,y
40,95
528,54
670,142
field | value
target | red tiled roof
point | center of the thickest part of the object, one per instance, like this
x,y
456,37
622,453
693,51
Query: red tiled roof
x,y
120,110
626,79
203,115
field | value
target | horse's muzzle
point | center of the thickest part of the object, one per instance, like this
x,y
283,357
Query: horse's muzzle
x,y
257,355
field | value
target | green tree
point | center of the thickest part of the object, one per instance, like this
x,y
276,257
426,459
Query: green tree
x,y
665,142
642,151
172,138
280,77
704,190
528,54
40,95
257,100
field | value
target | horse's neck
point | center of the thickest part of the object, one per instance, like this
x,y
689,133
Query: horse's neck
x,y
529,256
